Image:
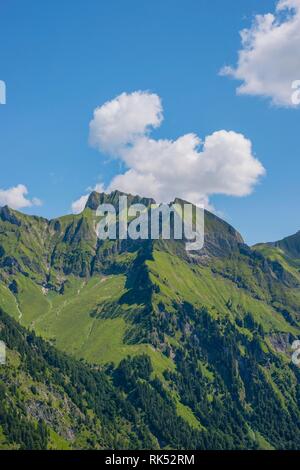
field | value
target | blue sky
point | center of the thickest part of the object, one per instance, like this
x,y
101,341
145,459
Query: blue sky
x,y
62,59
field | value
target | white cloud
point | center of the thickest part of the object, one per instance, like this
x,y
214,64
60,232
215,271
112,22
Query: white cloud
x,y
36,201
78,205
164,169
223,163
187,168
269,61
122,120
15,197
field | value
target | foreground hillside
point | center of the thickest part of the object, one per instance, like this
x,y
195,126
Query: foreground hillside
x,y
217,327
51,401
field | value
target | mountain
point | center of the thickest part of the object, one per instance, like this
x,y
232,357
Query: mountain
x,y
216,326
286,252
51,401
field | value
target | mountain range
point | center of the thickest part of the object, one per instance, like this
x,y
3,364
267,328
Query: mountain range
x,y
137,344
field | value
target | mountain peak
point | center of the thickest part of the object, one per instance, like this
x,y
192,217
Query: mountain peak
x,y
290,245
8,215
220,237
95,199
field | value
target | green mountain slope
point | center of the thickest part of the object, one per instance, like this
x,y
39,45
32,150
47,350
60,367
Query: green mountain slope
x,y
285,252
51,401
218,325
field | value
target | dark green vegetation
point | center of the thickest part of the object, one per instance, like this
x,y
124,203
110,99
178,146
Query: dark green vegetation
x,y
165,349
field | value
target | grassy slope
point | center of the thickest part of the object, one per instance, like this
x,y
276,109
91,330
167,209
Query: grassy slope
x,y
31,392
201,287
274,253
66,319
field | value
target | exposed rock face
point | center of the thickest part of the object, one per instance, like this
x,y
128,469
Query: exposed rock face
x,y
7,215
52,417
290,245
281,342
95,199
